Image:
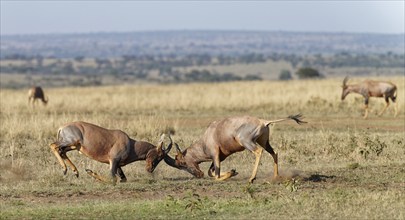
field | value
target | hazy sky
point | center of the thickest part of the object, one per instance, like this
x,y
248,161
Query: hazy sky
x,y
27,17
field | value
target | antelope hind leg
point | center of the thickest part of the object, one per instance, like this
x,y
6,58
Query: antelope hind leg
x,y
68,161
72,166
385,107
55,150
275,158
258,154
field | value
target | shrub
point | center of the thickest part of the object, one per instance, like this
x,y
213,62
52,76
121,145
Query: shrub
x,y
285,75
307,72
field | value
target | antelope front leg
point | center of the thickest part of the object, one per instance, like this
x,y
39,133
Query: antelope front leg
x,y
55,150
387,103
221,176
366,108
365,112
395,109
122,175
114,172
226,175
104,179
211,171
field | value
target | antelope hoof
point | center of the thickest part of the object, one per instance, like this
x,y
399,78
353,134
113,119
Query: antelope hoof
x,y
114,180
64,171
123,180
88,171
251,180
233,172
276,179
77,174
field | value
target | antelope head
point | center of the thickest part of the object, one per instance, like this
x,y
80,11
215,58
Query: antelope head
x,y
345,88
183,162
156,155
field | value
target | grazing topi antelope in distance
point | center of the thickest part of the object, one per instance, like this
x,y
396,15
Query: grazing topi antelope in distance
x,y
106,146
35,93
223,138
371,88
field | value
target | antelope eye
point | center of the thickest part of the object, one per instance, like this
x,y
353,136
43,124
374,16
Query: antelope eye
x,y
181,163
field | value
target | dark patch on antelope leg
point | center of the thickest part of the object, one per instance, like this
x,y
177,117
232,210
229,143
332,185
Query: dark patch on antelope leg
x,y
121,175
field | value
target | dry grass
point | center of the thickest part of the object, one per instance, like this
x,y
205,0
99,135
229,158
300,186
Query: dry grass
x,y
342,163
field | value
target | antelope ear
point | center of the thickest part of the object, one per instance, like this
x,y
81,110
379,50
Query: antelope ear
x,y
160,144
179,156
179,152
345,80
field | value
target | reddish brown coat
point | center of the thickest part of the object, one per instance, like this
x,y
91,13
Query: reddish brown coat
x,y
35,93
223,138
371,88
106,146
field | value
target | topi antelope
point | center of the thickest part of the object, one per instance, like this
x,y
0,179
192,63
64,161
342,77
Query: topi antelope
x,y
35,93
223,138
106,146
370,88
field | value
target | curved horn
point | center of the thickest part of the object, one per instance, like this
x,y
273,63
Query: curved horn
x,y
170,161
162,137
179,151
169,146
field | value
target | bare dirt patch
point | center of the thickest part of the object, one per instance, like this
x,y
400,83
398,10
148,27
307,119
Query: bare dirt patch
x,y
377,179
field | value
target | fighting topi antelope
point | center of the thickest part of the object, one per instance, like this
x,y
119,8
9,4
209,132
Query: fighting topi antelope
x,y
370,88
35,93
223,138
106,146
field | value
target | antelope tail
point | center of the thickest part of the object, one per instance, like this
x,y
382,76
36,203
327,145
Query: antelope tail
x,y
58,134
297,118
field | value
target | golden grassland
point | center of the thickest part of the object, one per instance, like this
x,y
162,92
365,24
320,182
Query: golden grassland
x,y
339,165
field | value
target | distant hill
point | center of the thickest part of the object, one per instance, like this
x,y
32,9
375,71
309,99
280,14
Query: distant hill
x,y
229,43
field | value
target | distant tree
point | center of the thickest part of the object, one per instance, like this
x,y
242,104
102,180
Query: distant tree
x,y
285,75
308,72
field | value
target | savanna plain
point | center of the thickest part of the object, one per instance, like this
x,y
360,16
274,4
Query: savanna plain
x,y
337,166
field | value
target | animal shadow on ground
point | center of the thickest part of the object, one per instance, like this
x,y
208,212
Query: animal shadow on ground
x,y
178,178
318,178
